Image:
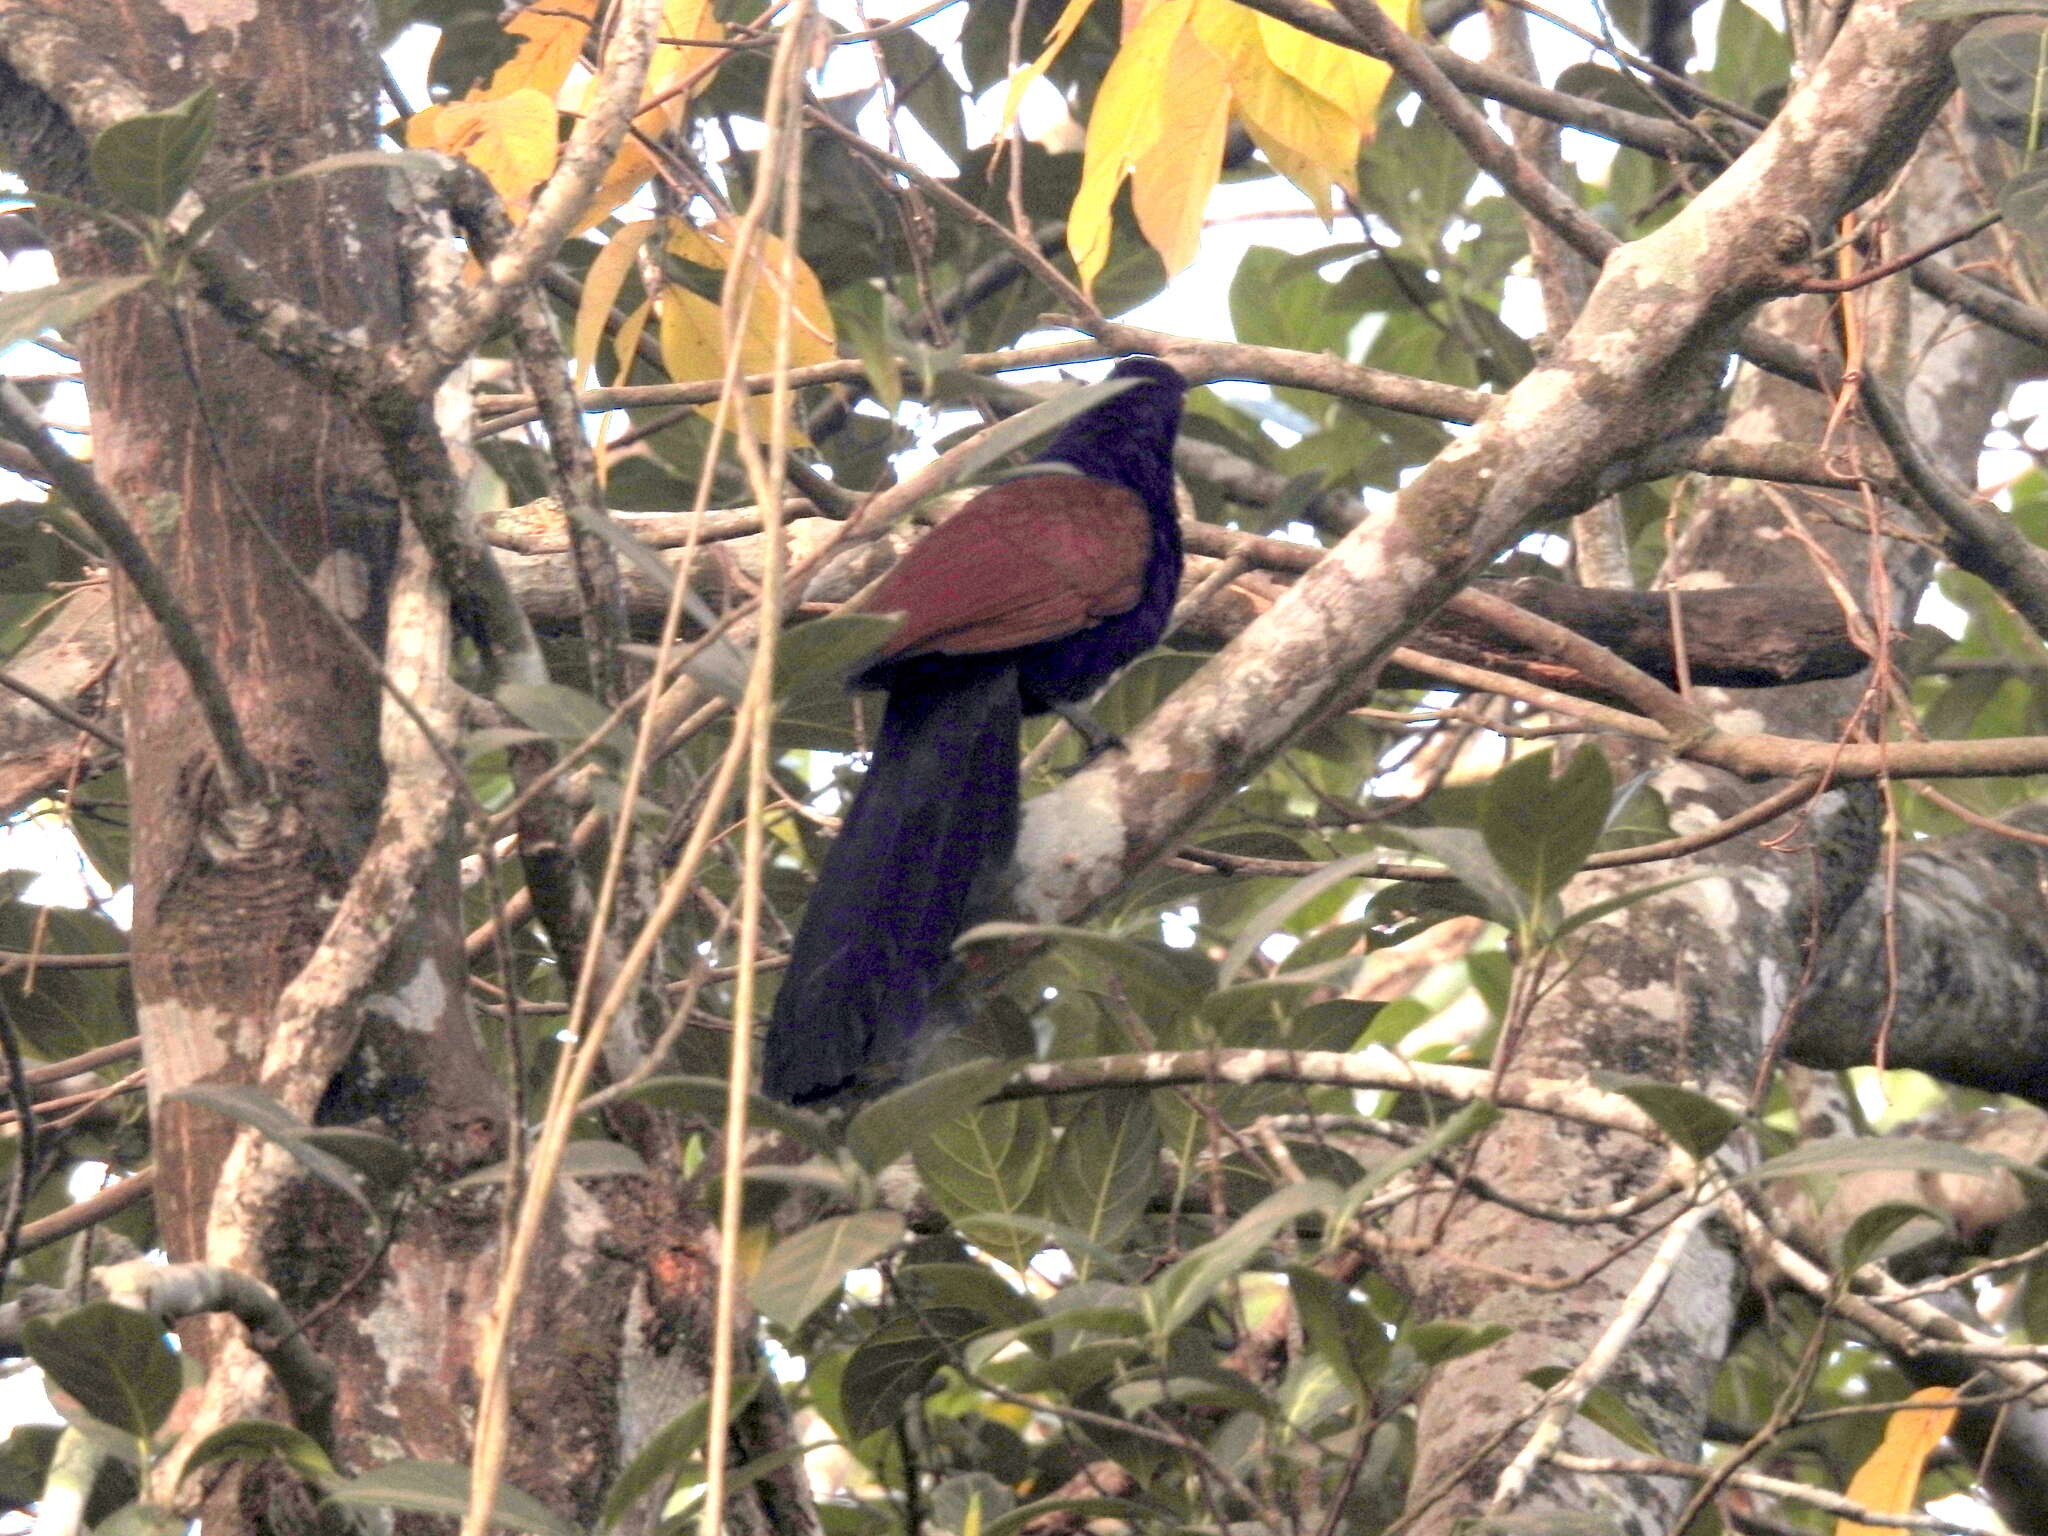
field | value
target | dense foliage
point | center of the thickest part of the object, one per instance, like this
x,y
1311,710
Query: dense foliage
x,y
1302,1057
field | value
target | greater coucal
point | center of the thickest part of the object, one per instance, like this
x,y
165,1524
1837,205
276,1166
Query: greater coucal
x,y
1027,599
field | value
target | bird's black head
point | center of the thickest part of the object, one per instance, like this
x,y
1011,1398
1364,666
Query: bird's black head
x,y
1128,439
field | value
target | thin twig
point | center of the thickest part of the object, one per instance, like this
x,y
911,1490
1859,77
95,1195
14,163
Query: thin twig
x,y
62,711
1528,186
245,780
22,1096
1025,251
1897,264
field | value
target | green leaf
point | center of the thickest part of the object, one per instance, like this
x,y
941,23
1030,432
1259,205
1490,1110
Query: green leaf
x,y
967,1287
1886,1229
114,1360
893,1364
1696,1122
988,1162
1340,1329
827,649
923,84
1440,1343
442,1488
497,738
250,1105
266,1440
1136,965
2003,69
1223,1389
1892,1154
147,162
1185,1289
1466,1123
1597,82
1465,854
1592,912
860,314
963,1503
1106,1166
592,1158
665,1453
887,1128
1275,913
1540,829
721,666
1027,428
25,1462
568,715
804,1270
2024,202
704,1098
59,306
1605,1408
385,1164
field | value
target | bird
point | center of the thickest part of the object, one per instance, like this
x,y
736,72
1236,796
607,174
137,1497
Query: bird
x,y
1026,600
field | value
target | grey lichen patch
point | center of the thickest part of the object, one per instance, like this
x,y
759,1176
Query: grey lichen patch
x,y
343,584
1071,841
204,15
417,1005
163,513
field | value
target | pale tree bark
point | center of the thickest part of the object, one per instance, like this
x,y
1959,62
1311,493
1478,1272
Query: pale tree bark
x,y
1696,984
232,900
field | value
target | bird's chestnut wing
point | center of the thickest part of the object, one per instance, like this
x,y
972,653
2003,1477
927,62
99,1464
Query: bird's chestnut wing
x,y
1028,560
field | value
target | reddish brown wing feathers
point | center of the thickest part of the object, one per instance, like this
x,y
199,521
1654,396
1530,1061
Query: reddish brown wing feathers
x,y
1025,561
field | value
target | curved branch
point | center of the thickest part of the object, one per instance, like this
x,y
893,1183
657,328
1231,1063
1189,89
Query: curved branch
x,y
244,777
1648,347
454,330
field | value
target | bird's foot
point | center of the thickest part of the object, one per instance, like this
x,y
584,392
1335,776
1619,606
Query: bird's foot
x,y
1097,737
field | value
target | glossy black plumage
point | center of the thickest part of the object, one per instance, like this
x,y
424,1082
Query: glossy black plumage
x,y
1033,594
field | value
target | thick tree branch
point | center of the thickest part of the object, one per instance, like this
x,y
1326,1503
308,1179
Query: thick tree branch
x,y
1647,347
318,1016
1982,540
454,329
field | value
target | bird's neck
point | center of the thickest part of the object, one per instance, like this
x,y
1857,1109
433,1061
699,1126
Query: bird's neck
x,y
1121,458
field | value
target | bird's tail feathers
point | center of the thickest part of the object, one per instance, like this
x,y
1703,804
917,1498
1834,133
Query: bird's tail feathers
x,y
936,812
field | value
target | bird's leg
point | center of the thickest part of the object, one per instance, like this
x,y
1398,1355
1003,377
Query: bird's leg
x,y
1098,736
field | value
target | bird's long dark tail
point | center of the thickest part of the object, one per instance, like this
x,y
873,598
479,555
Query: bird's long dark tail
x,y
937,811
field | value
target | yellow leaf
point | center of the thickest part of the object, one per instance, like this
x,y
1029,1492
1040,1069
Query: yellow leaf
x,y
1126,121
633,166
601,285
624,346
510,139
1889,1482
1061,34
1346,79
627,174
1299,169
1171,182
692,330
1277,109
693,19
553,32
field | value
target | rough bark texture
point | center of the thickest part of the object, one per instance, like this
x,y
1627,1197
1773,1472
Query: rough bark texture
x,y
229,904
1696,983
